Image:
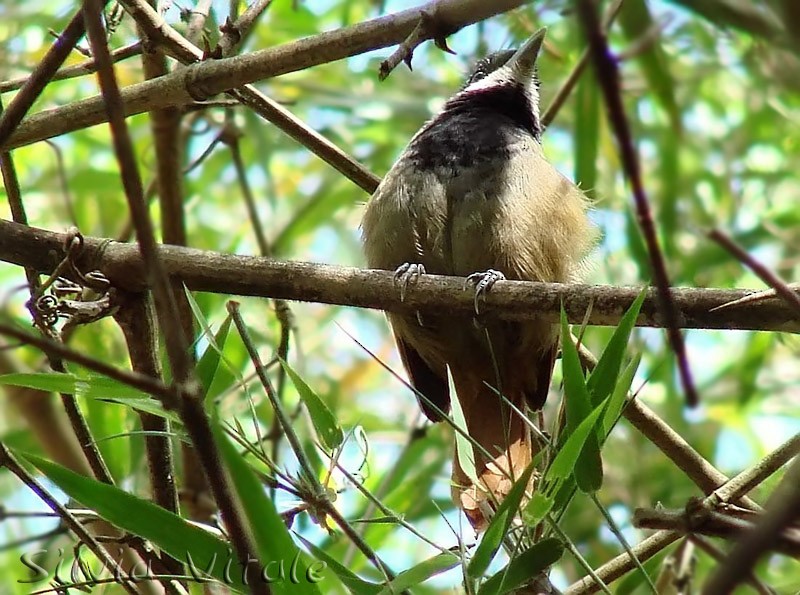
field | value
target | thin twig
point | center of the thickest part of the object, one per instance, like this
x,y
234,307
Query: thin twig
x,y
317,492
45,71
190,405
82,69
733,490
608,77
187,53
712,550
575,74
707,477
781,510
426,28
76,418
135,318
216,76
713,524
766,275
234,32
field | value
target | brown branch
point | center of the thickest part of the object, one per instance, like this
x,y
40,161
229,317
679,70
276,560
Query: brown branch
x,y
234,32
175,44
712,550
427,28
135,318
568,85
609,80
734,489
45,70
233,274
190,408
767,276
713,524
82,69
707,477
165,124
216,76
76,418
197,20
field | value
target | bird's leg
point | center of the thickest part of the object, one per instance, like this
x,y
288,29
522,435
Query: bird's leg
x,y
406,274
483,282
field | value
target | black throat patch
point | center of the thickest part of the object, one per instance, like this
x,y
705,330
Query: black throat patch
x,y
475,127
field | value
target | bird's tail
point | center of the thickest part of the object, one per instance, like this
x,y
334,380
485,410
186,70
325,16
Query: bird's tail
x,y
502,434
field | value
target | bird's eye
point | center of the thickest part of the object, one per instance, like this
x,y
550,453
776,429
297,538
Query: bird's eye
x,y
478,75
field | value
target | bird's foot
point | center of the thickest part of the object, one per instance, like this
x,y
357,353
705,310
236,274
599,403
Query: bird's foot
x,y
483,282
406,274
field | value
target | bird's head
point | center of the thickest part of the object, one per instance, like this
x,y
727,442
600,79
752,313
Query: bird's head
x,y
507,79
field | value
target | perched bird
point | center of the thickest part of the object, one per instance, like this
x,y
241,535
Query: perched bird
x,y
473,195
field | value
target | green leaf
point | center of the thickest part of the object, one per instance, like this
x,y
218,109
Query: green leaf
x,y
209,361
524,567
354,583
464,448
620,394
538,507
421,572
187,543
604,376
587,134
588,467
92,386
328,430
569,454
498,528
272,538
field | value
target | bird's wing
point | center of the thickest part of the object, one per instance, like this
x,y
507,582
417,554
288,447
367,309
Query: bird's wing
x,y
425,380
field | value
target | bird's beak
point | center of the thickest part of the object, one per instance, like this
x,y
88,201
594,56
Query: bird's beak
x,y
523,62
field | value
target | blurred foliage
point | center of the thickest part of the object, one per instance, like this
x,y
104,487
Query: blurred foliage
x,y
711,89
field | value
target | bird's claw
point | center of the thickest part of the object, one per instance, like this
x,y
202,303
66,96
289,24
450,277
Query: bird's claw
x,y
406,274
483,282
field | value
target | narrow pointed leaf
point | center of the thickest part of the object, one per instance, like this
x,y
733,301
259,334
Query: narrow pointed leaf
x,y
523,567
464,448
620,394
572,450
588,467
91,386
328,430
272,538
421,572
498,528
356,584
538,507
209,362
604,376
167,531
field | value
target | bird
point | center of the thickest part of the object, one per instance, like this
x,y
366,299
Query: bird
x,y
472,195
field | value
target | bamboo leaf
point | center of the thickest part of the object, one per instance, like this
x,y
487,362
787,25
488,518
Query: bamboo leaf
x,y
328,430
91,386
421,572
523,567
206,554
275,545
464,448
588,467
498,528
